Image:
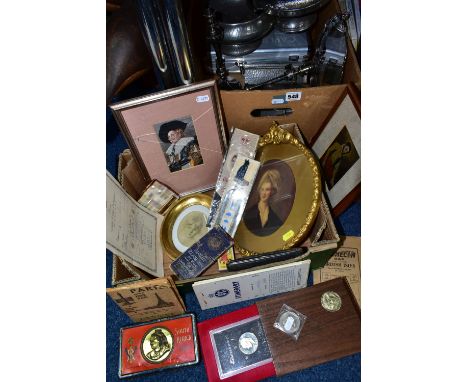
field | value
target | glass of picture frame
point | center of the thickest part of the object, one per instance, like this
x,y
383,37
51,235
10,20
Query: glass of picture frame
x,y
338,147
176,136
285,196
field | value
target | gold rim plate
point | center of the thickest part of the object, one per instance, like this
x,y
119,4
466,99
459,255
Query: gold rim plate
x,y
171,217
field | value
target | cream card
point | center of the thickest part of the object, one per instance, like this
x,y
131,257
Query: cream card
x,y
132,231
245,286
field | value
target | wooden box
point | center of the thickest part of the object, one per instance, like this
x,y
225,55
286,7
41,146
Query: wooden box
x,y
325,336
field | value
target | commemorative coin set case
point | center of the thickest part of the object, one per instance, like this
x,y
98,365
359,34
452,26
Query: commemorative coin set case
x,y
248,345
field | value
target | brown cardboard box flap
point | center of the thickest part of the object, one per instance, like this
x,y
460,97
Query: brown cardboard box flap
x,y
124,272
310,112
323,231
130,176
325,336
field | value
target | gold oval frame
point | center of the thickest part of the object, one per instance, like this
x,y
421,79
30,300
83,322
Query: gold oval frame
x,y
172,213
280,144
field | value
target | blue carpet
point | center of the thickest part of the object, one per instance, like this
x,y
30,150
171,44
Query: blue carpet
x,y
345,369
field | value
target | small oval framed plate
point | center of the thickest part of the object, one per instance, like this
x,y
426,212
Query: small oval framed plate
x,y
185,224
285,196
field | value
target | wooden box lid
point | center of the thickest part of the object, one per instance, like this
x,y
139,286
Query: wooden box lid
x,y
325,336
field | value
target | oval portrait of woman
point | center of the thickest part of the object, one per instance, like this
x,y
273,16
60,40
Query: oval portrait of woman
x,y
271,198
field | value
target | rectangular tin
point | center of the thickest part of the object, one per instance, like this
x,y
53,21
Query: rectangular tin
x,y
156,345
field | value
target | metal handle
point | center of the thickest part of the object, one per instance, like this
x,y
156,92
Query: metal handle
x,y
178,39
154,37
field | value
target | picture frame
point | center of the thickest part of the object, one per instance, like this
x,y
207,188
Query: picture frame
x,y
288,181
338,147
176,136
185,223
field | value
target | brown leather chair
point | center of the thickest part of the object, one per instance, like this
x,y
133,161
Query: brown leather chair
x,y
127,58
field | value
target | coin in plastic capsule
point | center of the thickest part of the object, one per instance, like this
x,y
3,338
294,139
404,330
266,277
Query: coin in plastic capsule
x,y
290,322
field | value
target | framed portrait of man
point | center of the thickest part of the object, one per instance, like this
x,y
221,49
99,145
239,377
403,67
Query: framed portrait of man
x,y
176,136
179,141
338,148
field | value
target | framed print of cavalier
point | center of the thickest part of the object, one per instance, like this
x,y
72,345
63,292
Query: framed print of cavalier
x,y
179,142
339,148
285,196
176,136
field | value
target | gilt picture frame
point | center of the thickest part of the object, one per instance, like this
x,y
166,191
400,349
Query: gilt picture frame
x,y
285,197
338,147
176,136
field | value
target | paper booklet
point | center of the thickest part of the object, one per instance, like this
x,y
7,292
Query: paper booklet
x,y
149,299
132,231
259,283
346,262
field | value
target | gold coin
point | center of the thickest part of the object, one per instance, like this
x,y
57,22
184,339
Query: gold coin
x,y
157,344
331,301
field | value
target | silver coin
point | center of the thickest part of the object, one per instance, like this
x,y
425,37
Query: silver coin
x,y
331,301
248,343
290,322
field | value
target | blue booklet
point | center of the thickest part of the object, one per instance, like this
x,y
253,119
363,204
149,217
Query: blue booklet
x,y
202,254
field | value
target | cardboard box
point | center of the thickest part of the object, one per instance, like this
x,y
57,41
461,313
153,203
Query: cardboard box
x,y
309,107
323,238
